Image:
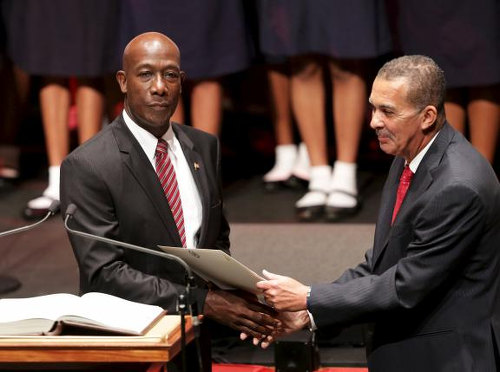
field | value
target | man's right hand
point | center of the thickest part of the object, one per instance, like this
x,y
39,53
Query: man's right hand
x,y
242,314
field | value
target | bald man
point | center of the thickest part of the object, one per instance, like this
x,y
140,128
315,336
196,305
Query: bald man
x,y
113,181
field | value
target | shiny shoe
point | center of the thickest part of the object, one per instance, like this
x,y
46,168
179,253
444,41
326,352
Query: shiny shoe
x,y
297,183
310,213
335,213
311,206
37,208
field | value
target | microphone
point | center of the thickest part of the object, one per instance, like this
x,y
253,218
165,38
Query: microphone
x,y
53,209
70,211
190,283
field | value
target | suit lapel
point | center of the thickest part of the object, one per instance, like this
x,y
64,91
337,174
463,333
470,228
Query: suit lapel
x,y
137,162
425,172
386,208
198,170
422,180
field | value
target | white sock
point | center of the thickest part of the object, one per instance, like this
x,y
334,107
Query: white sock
x,y
283,164
318,187
302,168
343,179
51,193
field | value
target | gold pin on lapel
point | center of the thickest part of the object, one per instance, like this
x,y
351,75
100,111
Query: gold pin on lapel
x,y
196,166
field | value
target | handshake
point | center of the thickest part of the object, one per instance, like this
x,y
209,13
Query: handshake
x,y
285,313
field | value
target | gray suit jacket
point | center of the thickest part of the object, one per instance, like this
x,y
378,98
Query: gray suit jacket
x,y
119,196
431,282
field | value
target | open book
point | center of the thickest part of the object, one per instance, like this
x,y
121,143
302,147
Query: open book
x,y
63,313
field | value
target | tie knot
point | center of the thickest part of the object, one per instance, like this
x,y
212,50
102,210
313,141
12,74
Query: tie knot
x,y
407,174
161,147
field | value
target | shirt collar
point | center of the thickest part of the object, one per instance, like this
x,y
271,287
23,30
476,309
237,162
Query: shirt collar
x,y
147,141
418,159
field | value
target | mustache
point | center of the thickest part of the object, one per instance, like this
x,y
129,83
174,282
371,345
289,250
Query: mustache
x,y
383,133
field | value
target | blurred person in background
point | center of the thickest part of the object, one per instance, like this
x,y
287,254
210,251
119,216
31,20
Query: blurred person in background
x,y
345,36
55,40
463,37
213,40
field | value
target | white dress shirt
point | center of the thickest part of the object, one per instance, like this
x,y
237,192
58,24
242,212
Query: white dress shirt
x,y
190,197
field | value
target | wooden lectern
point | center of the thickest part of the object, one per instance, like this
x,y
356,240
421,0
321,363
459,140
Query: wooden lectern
x,y
160,345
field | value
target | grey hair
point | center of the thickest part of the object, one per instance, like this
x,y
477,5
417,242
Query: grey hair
x,y
427,84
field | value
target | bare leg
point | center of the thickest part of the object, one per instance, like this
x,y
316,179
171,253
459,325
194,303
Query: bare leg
x,y
285,150
54,105
90,108
349,110
455,108
206,106
308,104
484,119
282,118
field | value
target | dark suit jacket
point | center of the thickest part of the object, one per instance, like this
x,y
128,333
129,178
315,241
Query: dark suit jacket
x,y
431,282
119,196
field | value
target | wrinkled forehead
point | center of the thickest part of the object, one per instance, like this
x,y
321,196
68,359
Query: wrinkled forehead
x,y
388,89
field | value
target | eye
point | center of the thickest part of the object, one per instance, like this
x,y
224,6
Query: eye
x,y
145,75
387,112
171,75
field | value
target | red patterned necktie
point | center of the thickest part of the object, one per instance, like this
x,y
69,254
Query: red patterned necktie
x,y
404,184
168,180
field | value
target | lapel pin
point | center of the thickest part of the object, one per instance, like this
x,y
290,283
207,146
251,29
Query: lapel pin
x,y
196,166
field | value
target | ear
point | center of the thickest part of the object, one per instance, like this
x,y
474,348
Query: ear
x,y
121,78
429,117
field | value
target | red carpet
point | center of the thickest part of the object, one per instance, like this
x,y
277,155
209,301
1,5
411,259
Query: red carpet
x,y
253,368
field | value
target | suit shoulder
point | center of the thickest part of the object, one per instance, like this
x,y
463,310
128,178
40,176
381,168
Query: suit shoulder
x,y
195,134
95,146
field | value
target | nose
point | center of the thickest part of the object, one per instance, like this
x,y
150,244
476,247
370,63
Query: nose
x,y
375,121
158,85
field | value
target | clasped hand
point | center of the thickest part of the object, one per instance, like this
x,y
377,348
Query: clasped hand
x,y
287,296
243,312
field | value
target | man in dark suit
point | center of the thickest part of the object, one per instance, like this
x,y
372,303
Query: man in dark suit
x,y
113,181
430,285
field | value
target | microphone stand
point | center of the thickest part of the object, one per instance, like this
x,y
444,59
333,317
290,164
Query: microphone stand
x,y
181,300
8,283
53,209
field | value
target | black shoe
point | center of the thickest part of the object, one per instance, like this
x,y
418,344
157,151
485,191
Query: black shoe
x,y
35,213
297,183
338,213
272,186
310,213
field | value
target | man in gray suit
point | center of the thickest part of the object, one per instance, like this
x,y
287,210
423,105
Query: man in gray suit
x,y
113,181
430,284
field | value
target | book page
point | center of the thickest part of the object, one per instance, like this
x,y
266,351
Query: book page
x,y
92,310
48,307
118,313
34,326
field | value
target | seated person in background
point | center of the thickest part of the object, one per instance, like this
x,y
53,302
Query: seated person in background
x,y
113,181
